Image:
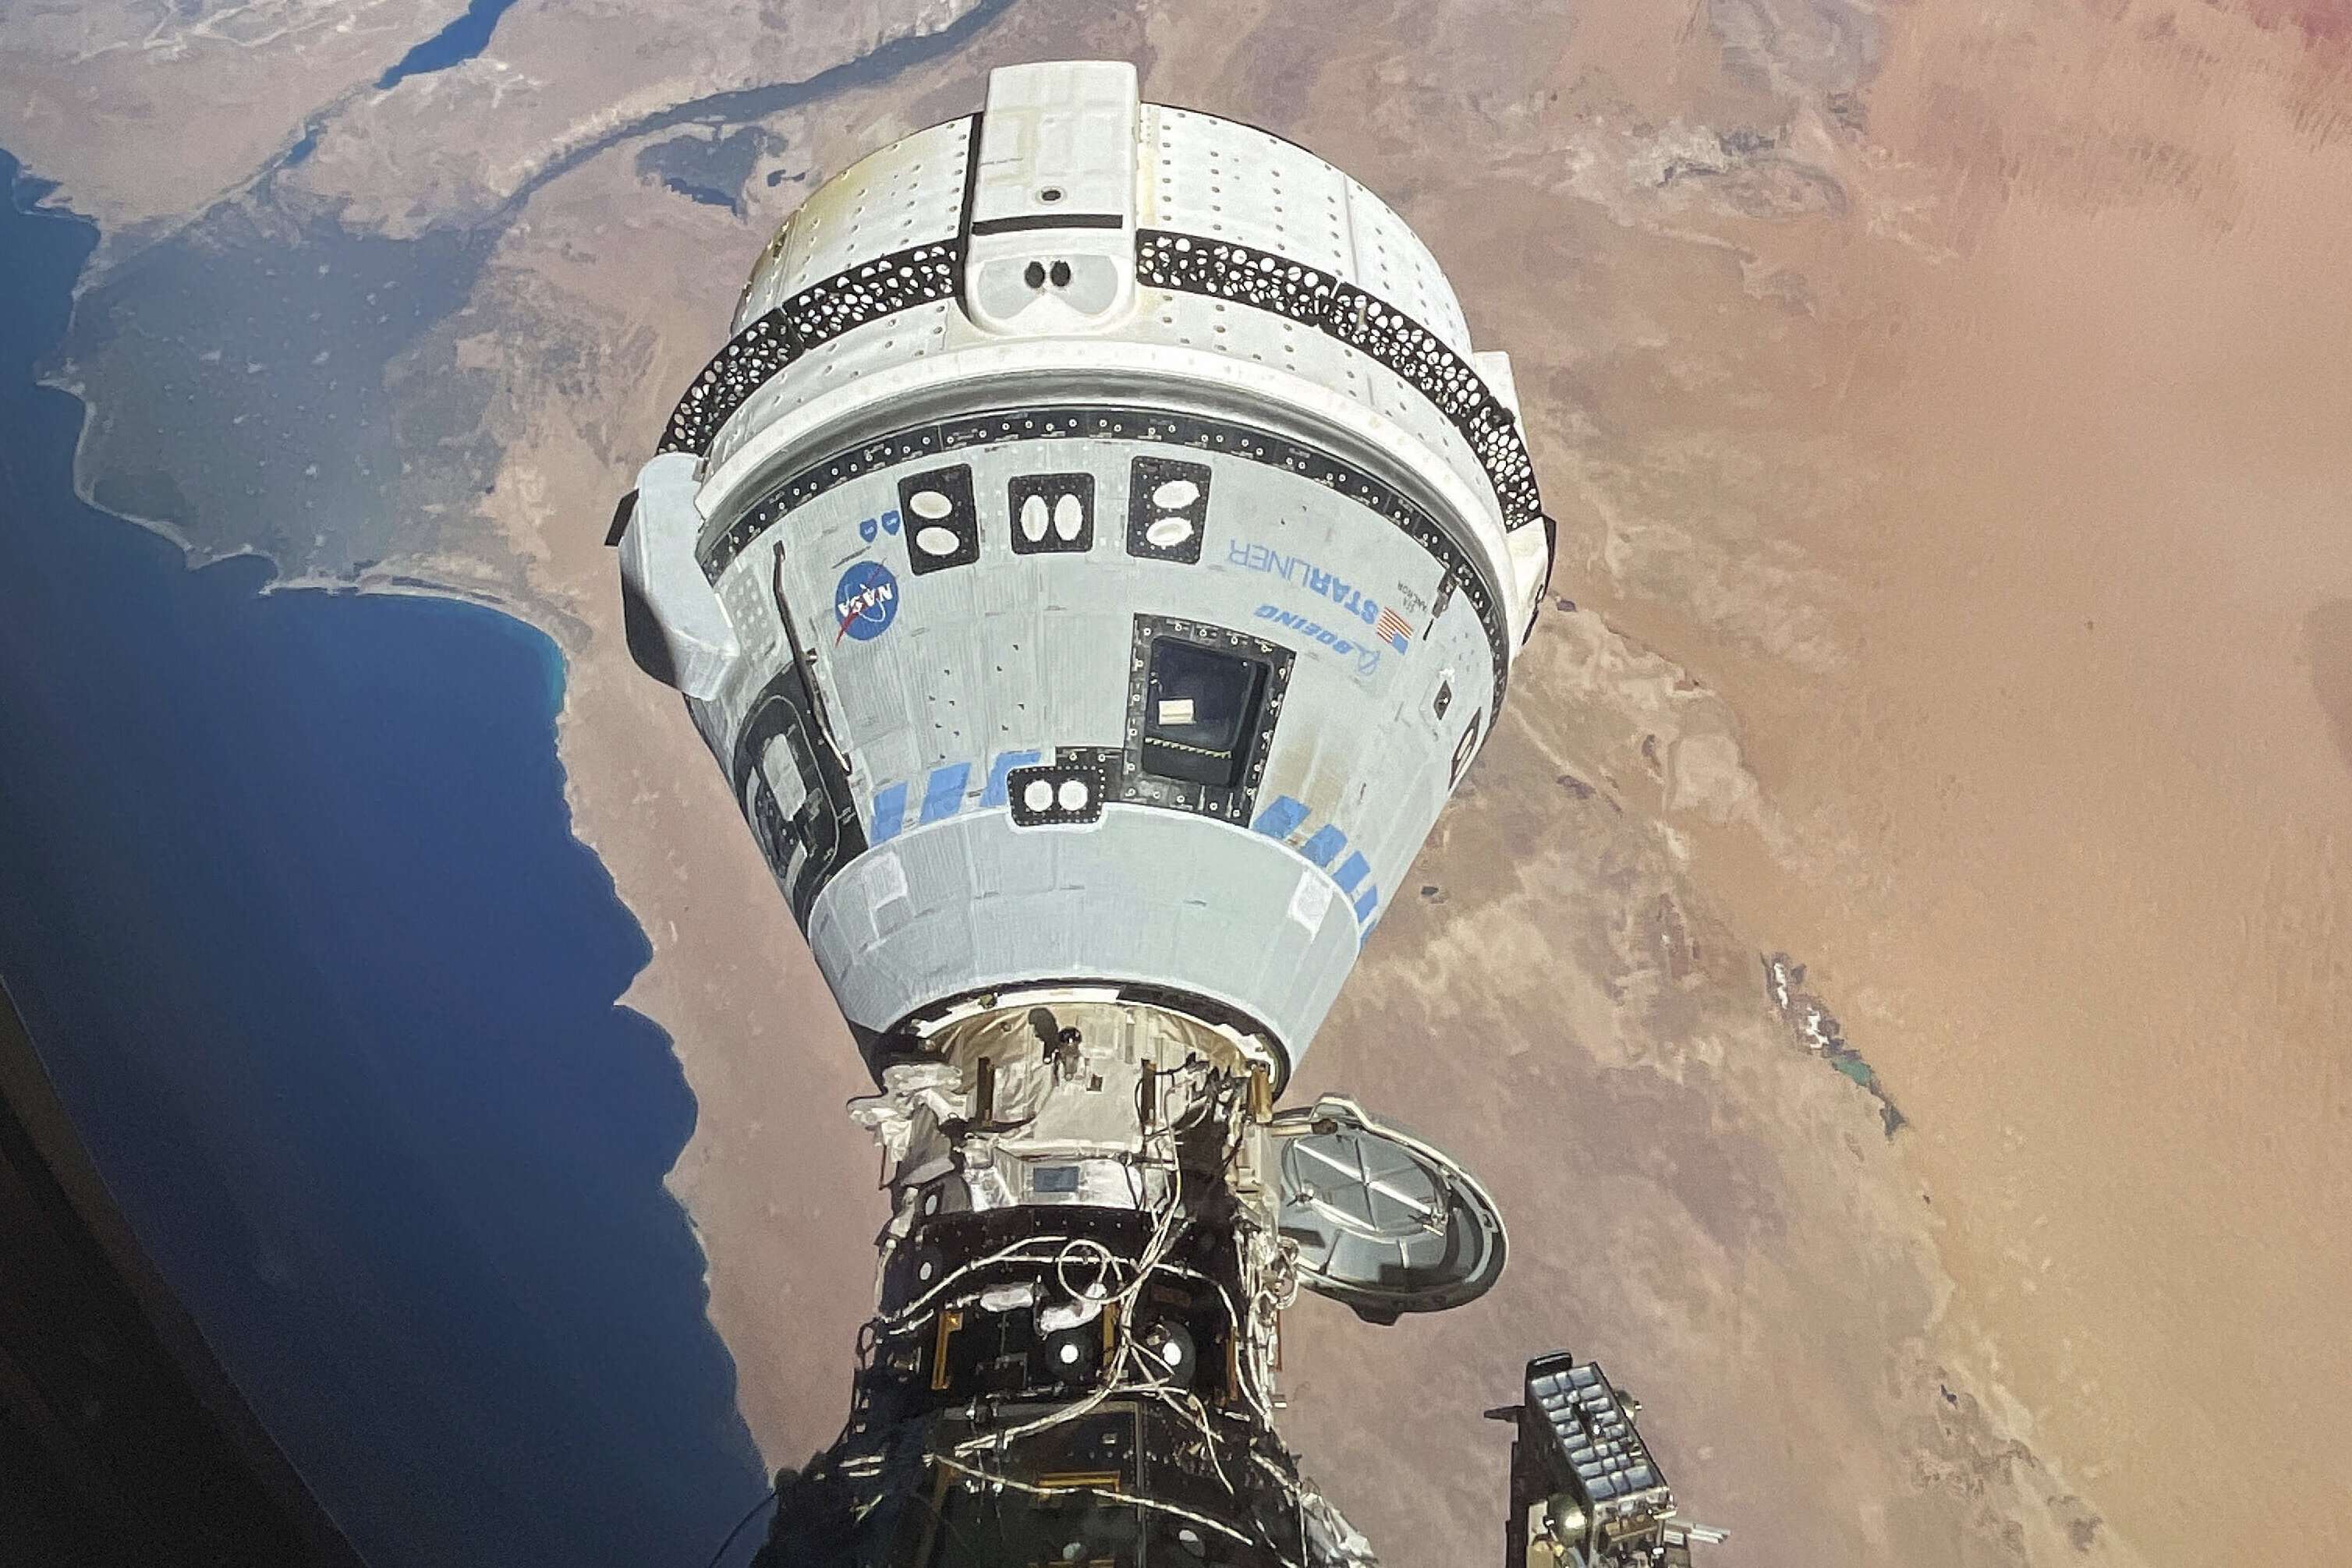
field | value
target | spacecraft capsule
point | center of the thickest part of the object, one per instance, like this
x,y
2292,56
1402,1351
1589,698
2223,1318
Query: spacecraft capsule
x,y
1096,557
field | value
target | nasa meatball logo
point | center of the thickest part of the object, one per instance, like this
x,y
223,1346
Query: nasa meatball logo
x,y
866,600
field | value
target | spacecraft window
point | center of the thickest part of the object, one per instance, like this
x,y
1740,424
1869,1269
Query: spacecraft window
x,y
1052,512
1201,710
943,524
1168,507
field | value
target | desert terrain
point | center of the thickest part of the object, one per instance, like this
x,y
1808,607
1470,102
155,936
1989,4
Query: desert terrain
x,y
1944,408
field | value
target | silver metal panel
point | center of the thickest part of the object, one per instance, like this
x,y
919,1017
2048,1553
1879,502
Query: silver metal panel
x,y
1051,242
1212,176
1228,180
1196,321
1149,896
1019,653
658,571
1392,261
909,193
1057,139
860,351
1400,402
1385,1222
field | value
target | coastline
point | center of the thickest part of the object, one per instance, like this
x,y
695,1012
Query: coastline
x,y
713,1174
304,1102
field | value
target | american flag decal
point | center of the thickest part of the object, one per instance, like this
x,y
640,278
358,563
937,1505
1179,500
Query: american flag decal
x,y
1392,629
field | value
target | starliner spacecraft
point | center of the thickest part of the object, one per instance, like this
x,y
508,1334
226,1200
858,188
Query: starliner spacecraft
x,y
1094,560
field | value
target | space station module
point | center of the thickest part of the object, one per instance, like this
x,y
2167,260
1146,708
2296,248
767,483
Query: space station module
x,y
1094,560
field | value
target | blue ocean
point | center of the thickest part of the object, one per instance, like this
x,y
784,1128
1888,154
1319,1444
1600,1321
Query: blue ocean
x,y
289,899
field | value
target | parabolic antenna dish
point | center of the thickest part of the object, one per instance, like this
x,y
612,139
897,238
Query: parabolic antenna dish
x,y
1384,1223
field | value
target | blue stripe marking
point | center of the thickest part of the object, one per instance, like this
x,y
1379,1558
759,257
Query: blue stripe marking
x,y
1280,820
1325,845
890,813
943,794
1006,761
1367,901
1352,869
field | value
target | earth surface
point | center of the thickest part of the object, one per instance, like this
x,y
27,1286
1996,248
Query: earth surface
x,y
1945,409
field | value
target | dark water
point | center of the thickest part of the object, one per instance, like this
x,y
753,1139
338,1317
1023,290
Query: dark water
x,y
462,39
712,169
277,384
288,897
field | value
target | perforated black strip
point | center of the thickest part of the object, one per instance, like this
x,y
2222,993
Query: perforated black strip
x,y
822,311
1221,269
